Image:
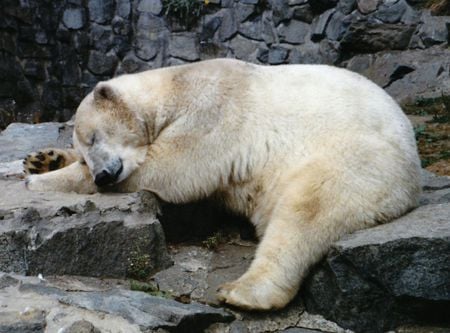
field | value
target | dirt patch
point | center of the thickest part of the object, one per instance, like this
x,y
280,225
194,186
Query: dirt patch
x,y
431,120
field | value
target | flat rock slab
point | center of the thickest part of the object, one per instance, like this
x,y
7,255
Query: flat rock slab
x,y
18,139
197,272
113,235
33,305
376,279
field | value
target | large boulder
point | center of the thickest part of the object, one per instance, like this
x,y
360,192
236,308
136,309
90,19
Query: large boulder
x,y
376,279
115,235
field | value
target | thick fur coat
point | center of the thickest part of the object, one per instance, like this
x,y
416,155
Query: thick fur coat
x,y
306,152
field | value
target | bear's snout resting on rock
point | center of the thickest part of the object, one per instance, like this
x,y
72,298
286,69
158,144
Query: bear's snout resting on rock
x,y
307,152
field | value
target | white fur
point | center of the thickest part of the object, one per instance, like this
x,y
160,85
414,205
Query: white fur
x,y
307,152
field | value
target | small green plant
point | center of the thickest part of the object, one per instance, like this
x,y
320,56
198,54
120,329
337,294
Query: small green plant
x,y
139,265
213,242
444,116
187,12
419,131
149,288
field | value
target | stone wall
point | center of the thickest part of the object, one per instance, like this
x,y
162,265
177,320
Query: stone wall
x,y
52,52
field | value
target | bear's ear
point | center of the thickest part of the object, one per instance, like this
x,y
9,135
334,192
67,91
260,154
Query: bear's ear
x,y
104,91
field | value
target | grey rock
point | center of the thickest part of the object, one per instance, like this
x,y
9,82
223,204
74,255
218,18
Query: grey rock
x,y
428,79
249,2
324,52
147,49
132,64
29,321
148,24
398,268
411,16
435,197
229,26
120,26
252,29
346,6
150,6
101,11
297,2
82,326
294,32
368,6
74,18
433,182
55,233
303,13
337,26
100,37
147,311
365,37
281,11
18,140
270,35
123,8
243,48
74,306
277,55
244,11
319,25
391,11
433,29
184,45
102,64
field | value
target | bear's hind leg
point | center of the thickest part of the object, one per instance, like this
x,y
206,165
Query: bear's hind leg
x,y
302,227
49,159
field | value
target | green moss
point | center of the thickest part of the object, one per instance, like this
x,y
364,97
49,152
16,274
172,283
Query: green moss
x,y
150,289
139,265
213,242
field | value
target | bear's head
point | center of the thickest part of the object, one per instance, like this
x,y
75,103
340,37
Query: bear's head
x,y
109,135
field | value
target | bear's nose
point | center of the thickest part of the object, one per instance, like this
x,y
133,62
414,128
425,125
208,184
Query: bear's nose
x,y
110,174
104,178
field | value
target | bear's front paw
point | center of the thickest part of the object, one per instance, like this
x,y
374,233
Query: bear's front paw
x,y
46,160
36,183
250,294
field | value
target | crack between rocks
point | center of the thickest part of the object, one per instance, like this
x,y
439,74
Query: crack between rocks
x,y
399,73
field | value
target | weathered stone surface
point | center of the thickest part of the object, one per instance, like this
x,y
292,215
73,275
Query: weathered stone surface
x,y
244,11
101,11
294,32
368,6
18,140
398,268
97,307
113,235
74,18
303,13
319,25
252,29
433,29
280,11
346,6
410,75
184,45
391,11
102,64
243,48
150,6
277,55
228,27
366,37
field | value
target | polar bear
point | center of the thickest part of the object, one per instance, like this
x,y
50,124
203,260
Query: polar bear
x,y
307,152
